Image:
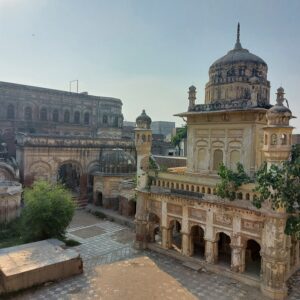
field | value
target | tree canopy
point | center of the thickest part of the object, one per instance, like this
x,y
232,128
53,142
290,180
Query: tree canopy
x,y
48,210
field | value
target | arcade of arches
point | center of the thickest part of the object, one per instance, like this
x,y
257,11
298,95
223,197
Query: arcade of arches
x,y
196,244
74,162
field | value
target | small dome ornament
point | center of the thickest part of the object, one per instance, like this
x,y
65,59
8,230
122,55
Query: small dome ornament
x,y
143,120
279,114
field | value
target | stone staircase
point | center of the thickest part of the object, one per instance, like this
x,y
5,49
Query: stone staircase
x,y
80,203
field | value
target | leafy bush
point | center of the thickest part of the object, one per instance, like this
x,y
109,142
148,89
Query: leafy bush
x,y
281,185
231,181
48,211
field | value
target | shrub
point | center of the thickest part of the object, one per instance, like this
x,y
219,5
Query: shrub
x,y
231,181
48,211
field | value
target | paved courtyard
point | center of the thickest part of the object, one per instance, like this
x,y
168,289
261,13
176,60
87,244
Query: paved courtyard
x,y
114,270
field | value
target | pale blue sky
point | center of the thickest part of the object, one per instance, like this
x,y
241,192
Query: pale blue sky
x,y
147,53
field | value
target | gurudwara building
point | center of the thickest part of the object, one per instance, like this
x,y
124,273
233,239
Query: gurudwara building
x,y
178,210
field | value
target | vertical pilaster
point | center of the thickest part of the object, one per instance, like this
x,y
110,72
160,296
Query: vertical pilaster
x,y
274,259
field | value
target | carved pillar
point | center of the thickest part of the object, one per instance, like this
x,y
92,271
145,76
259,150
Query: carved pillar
x,y
186,244
166,237
238,258
186,239
274,259
141,223
83,186
211,251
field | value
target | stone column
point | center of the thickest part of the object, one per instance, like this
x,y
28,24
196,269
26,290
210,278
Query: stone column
x,y
186,238
211,251
274,259
166,237
83,186
186,244
141,223
238,258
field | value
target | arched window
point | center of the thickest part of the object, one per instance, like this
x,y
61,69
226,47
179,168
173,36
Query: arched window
x,y
218,159
273,139
55,115
43,114
86,118
283,139
77,117
10,111
67,116
105,119
28,113
234,159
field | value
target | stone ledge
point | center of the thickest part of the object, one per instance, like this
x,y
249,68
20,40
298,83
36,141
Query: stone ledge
x,y
36,263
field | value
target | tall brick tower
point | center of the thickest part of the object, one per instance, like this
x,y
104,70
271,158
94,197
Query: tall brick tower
x,y
143,142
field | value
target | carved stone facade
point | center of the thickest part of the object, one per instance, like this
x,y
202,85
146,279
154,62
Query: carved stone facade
x,y
72,160
31,109
180,210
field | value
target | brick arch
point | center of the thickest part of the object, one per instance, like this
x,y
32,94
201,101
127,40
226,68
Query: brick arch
x,y
70,161
40,170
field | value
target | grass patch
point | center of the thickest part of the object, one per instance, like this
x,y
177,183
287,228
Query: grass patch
x,y
10,235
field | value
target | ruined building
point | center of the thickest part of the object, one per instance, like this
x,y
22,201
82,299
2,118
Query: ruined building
x,y
179,211
60,136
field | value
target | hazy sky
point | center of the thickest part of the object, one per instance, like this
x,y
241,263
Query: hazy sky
x,y
147,53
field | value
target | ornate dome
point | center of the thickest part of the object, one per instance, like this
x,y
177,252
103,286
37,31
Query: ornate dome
x,y
143,120
238,76
116,161
238,54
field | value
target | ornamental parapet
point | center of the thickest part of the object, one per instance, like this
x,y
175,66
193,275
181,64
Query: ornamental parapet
x,y
71,141
198,187
229,104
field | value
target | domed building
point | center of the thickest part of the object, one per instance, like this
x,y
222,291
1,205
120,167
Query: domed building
x,y
238,77
179,210
114,184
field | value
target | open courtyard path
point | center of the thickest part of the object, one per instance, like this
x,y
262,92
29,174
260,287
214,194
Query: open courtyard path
x,y
114,270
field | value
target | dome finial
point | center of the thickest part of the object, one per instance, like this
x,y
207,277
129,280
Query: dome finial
x,y
238,44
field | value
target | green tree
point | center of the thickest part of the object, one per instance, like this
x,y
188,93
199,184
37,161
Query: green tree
x,y
48,211
231,181
281,185
179,136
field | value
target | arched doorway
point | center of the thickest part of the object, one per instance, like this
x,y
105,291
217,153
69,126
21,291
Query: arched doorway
x,y
155,232
176,238
197,241
99,199
69,175
252,258
224,249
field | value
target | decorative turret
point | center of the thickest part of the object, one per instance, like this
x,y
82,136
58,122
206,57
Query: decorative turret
x,y
192,97
278,132
143,142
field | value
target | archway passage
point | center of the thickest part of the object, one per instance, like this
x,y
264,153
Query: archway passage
x,y
69,175
99,199
198,242
224,250
155,232
252,258
176,238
